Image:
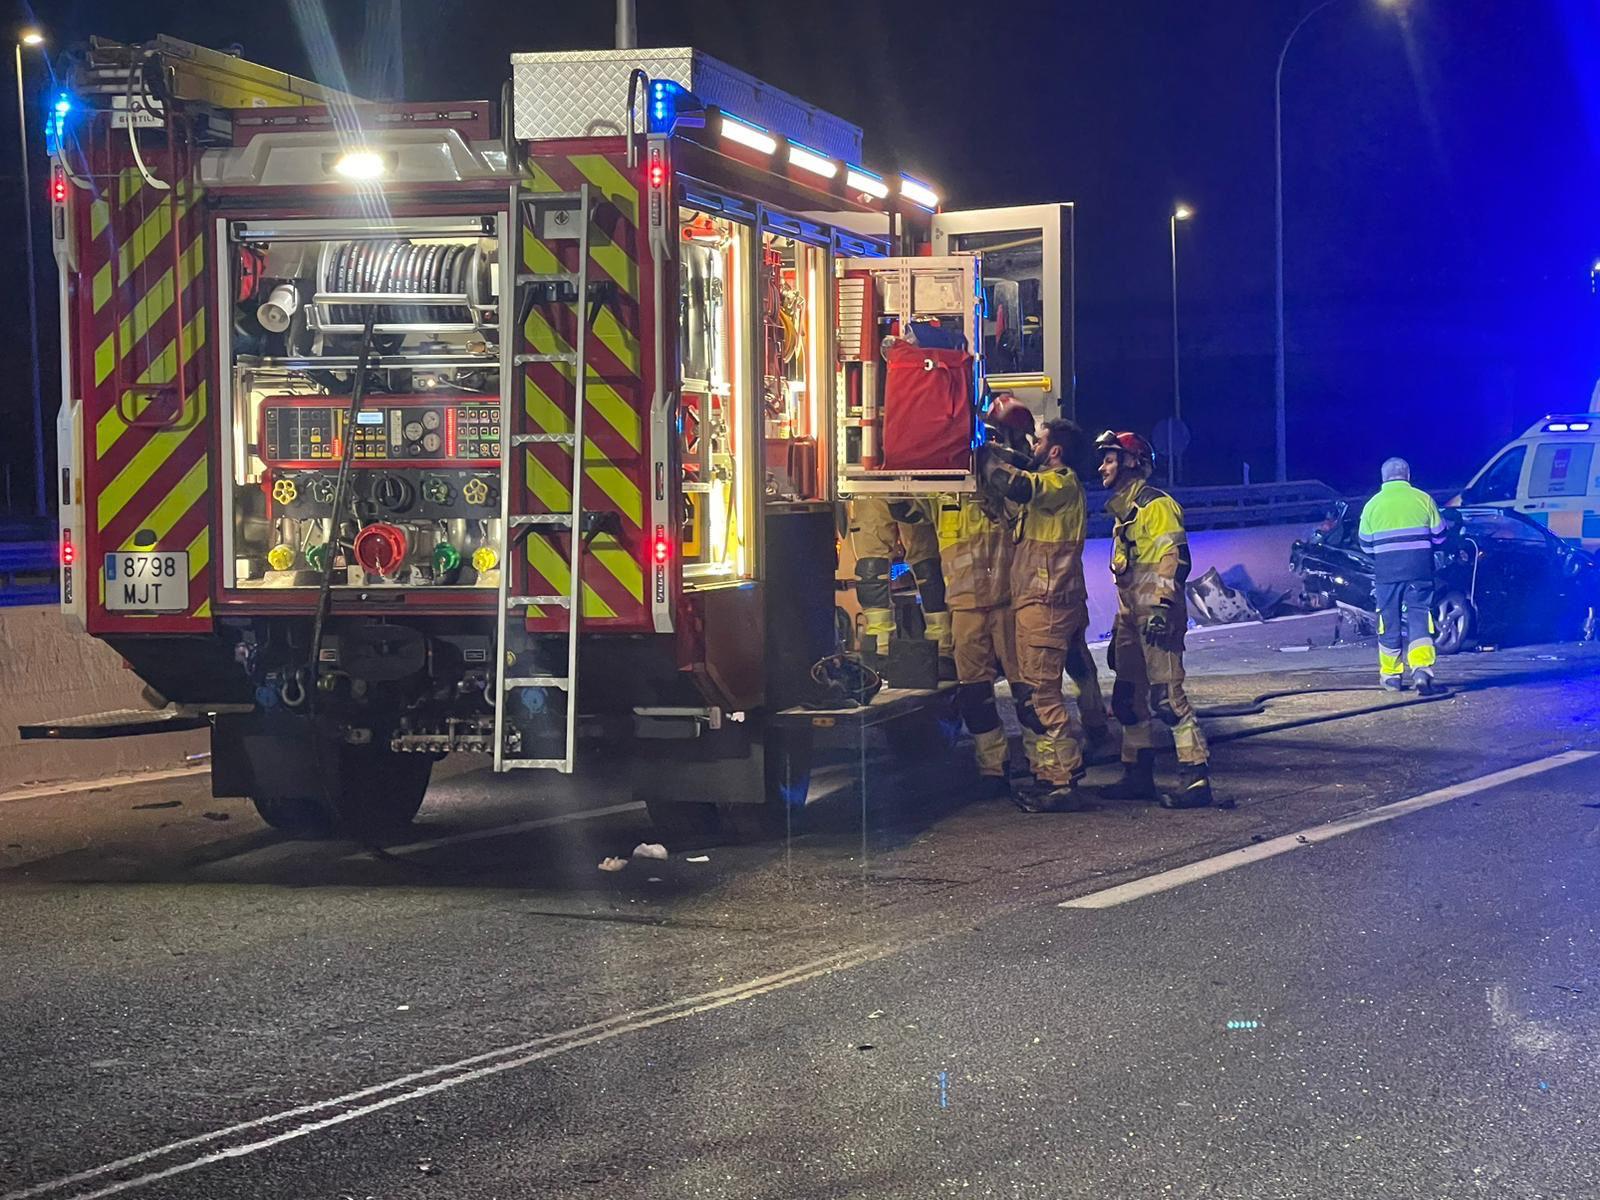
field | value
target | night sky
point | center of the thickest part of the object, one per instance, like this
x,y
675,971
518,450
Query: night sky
x,y
1441,183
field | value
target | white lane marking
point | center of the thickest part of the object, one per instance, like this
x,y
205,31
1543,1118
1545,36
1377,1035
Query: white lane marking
x,y
478,835
110,781
462,1071
1137,889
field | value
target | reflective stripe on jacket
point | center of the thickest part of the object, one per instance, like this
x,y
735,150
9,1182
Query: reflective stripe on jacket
x,y
1047,560
1149,548
1400,527
975,551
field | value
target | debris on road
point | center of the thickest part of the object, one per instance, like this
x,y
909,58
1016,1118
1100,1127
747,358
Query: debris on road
x,y
613,864
875,1014
157,804
699,858
1213,602
650,850
1306,649
216,816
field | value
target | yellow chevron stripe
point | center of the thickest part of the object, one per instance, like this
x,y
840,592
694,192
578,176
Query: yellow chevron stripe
x,y
105,359
547,488
162,369
99,218
547,561
114,497
102,287
620,563
188,491
128,185
612,183
602,397
618,339
204,610
152,231
542,410
618,413
149,309
199,552
536,256
600,471
540,180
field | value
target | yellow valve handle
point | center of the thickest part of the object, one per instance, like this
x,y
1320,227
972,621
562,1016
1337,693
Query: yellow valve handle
x,y
280,557
485,559
284,491
475,491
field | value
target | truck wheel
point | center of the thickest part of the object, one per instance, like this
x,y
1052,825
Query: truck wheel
x,y
785,780
299,817
1453,621
382,790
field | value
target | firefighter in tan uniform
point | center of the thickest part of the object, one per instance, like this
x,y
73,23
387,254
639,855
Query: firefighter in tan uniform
x,y
875,524
1049,601
1150,564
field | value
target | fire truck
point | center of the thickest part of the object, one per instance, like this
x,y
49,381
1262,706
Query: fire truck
x,y
518,428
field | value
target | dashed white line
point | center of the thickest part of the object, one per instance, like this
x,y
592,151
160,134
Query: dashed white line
x,y
1137,889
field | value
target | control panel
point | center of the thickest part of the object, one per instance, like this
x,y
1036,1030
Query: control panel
x,y
310,431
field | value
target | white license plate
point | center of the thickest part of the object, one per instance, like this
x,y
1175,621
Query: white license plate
x,y
147,581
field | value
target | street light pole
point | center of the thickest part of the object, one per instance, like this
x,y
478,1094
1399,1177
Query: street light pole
x,y
31,38
1181,213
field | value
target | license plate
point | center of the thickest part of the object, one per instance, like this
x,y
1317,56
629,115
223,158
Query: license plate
x,y
147,581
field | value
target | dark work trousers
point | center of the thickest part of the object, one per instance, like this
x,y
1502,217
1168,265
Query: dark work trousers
x,y
1405,626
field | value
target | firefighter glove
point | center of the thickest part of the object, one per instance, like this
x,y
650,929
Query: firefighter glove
x,y
1158,626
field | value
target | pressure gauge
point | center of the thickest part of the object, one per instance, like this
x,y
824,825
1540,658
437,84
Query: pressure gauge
x,y
431,443
430,420
413,430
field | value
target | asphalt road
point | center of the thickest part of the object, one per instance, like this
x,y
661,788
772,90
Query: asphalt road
x,y
893,1004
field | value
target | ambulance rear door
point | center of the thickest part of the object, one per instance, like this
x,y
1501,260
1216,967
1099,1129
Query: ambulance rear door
x,y
1028,298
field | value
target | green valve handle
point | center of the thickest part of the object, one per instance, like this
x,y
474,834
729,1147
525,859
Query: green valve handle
x,y
317,557
446,559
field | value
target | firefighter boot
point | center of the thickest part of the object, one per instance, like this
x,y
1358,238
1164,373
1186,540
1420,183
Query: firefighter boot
x,y
942,634
877,627
1194,788
1138,780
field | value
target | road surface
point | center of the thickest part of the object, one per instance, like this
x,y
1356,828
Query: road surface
x,y
1377,975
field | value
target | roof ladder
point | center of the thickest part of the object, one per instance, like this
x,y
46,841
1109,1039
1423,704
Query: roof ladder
x,y
515,524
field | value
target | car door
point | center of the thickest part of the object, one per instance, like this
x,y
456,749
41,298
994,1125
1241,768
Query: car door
x,y
1499,484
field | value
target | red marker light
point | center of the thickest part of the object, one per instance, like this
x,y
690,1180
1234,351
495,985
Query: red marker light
x,y
69,552
661,549
658,175
58,186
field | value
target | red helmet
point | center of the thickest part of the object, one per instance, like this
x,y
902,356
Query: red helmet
x,y
1007,412
1130,444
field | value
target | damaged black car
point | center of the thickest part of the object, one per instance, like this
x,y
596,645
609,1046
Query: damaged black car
x,y
1500,578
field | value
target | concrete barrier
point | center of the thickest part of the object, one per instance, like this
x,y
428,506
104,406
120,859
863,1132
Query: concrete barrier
x,y
49,671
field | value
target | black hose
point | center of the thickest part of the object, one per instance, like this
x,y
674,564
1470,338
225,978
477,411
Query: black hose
x,y
340,486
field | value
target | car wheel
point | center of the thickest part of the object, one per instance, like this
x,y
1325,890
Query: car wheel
x,y
1453,620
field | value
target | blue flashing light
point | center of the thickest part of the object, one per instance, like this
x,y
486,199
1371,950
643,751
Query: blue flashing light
x,y
55,122
671,104
898,569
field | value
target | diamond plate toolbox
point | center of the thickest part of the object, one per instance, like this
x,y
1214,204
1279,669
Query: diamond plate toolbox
x,y
584,93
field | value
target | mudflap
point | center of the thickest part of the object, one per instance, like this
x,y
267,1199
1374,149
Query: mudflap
x,y
744,779
273,756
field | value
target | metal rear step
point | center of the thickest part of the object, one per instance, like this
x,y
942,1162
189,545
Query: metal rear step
x,y
121,722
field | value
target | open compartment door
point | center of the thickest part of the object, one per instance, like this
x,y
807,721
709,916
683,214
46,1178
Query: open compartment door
x,y
910,374
1028,298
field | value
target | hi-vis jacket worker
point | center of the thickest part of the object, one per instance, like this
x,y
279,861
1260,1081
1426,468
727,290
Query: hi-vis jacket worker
x,y
1400,527
1150,564
874,524
1049,601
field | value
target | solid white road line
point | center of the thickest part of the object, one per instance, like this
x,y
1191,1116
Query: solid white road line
x,y
1167,880
408,1088
478,835
110,781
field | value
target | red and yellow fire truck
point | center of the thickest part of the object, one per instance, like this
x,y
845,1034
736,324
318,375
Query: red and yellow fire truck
x,y
396,430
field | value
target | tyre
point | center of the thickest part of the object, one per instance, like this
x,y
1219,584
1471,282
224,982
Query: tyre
x,y
1453,621
379,794
298,817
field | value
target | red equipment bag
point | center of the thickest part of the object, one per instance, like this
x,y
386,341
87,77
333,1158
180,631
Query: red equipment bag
x,y
927,409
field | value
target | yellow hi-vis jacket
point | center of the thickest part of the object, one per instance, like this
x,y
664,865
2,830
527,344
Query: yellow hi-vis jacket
x,y
1047,561
1149,548
1400,527
975,547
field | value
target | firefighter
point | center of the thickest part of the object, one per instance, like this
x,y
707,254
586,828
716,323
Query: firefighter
x,y
875,523
1400,528
1150,564
1049,600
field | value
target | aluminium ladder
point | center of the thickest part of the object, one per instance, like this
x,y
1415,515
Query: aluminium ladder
x,y
542,524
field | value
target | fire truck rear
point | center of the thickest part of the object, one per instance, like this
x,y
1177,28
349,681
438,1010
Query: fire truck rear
x,y
390,431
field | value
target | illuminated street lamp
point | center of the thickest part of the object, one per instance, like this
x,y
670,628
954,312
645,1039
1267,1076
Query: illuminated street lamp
x,y
1181,212
1279,357
32,38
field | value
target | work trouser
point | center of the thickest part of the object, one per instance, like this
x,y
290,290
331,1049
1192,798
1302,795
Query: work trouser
x,y
1085,678
1045,635
1405,627
1149,684
874,525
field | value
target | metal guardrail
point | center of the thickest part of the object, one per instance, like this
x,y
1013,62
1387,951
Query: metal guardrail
x,y
29,573
1235,507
